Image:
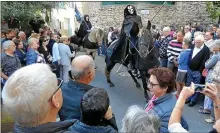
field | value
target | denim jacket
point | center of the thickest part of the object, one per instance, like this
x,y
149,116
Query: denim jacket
x,y
163,107
210,66
31,56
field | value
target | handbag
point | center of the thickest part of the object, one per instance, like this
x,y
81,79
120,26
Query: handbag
x,y
205,72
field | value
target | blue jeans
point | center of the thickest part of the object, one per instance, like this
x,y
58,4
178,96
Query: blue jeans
x,y
207,103
99,51
57,69
170,65
163,62
103,48
195,77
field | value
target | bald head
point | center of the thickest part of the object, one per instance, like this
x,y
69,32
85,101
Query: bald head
x,y
83,68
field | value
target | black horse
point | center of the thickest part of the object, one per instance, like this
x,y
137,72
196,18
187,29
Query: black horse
x,y
145,57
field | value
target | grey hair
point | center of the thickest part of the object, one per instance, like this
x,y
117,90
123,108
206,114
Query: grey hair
x,y
200,37
26,93
166,29
7,44
187,40
79,73
136,120
197,33
217,44
31,40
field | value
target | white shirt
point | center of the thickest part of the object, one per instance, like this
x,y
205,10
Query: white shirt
x,y
109,37
197,50
176,128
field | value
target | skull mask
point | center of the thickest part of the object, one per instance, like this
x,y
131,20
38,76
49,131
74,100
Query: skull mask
x,y
130,10
87,18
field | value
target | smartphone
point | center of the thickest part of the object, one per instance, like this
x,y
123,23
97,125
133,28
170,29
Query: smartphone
x,y
199,87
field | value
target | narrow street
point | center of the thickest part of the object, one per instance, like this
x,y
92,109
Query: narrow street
x,y
125,94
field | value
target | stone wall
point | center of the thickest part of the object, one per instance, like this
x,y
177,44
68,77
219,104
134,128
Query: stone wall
x,y
178,15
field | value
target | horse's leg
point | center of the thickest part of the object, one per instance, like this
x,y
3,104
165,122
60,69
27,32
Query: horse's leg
x,y
144,76
108,69
135,80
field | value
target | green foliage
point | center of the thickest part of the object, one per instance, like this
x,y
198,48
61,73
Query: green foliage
x,y
24,11
213,9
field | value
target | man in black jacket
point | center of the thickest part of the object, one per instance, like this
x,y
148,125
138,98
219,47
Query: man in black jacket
x,y
199,55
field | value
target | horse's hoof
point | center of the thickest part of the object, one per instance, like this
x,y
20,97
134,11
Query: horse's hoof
x,y
111,85
138,85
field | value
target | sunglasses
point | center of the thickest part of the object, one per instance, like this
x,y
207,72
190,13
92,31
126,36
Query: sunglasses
x,y
59,82
46,40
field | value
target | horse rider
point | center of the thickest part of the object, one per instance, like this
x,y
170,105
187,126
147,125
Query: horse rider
x,y
85,27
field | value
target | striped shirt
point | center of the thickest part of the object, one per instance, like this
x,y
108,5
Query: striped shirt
x,y
174,50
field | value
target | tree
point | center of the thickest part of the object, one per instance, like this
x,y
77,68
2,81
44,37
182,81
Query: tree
x,y
24,11
213,8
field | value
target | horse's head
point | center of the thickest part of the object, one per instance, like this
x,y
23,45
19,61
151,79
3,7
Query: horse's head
x,y
145,35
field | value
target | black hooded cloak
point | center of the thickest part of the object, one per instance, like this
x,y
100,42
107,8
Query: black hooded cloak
x,y
84,26
119,49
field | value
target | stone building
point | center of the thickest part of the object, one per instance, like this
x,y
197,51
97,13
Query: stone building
x,y
106,14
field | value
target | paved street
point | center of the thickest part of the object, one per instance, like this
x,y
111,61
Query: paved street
x,y
125,94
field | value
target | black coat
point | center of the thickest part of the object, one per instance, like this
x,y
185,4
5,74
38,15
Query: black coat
x,y
86,25
51,127
131,26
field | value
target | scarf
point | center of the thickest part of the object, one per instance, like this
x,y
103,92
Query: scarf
x,y
151,104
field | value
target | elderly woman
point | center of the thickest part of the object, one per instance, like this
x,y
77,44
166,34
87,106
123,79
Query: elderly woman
x,y
136,120
33,56
209,65
32,96
20,52
161,84
66,56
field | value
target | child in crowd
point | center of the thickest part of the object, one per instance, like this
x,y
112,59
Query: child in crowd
x,y
182,63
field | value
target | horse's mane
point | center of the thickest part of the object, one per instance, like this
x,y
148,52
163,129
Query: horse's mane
x,y
96,32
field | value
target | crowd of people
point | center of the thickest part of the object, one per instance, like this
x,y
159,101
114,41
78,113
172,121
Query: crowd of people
x,y
43,79
46,47
194,56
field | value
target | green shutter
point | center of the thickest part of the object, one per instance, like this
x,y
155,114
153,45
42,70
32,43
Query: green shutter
x,y
117,2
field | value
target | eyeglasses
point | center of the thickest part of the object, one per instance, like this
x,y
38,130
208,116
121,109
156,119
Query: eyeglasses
x,y
60,82
46,40
151,85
